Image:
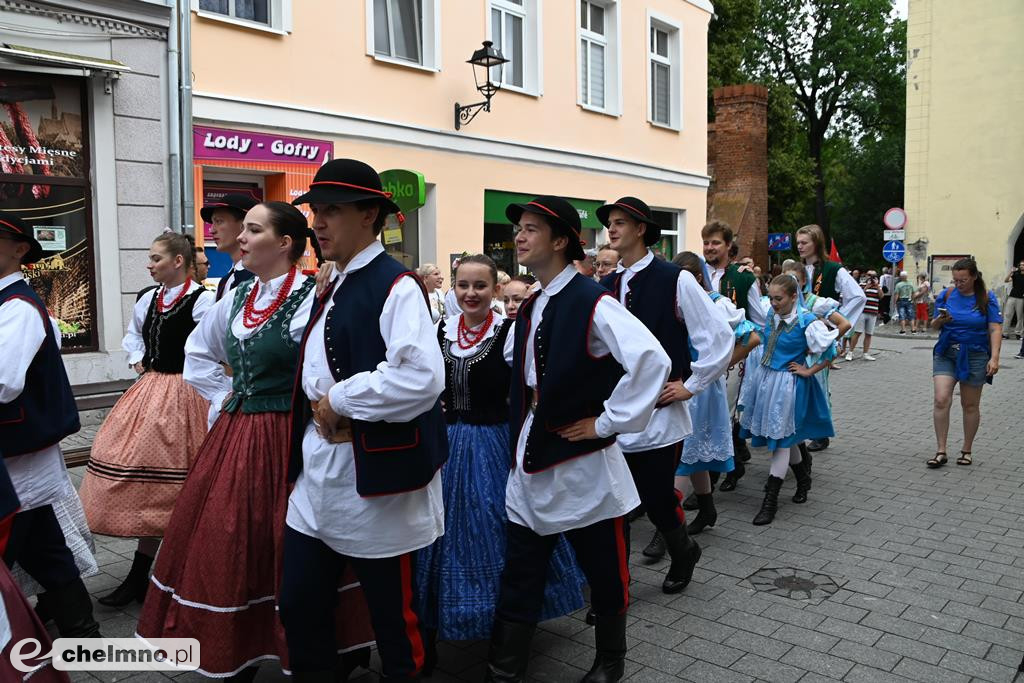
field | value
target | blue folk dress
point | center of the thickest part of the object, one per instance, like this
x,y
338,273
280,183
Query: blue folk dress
x,y
458,576
780,409
709,447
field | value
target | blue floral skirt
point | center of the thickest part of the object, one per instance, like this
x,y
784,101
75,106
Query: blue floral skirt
x,y
709,447
458,576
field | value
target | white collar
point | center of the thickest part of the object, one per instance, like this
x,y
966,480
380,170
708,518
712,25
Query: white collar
x,y
274,285
177,288
639,265
451,327
9,280
560,281
788,318
237,266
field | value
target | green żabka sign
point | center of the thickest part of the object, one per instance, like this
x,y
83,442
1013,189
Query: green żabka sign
x,y
407,188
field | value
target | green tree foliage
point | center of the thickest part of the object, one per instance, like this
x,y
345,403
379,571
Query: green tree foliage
x,y
840,58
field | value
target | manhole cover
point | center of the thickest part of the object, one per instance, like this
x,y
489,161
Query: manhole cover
x,y
795,584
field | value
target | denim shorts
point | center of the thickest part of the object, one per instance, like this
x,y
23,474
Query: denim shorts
x,y
977,361
905,307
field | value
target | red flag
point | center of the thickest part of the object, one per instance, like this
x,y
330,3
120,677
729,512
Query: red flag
x,y
833,253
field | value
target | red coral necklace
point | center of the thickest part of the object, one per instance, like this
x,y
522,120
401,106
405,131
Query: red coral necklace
x,y
253,317
161,307
469,338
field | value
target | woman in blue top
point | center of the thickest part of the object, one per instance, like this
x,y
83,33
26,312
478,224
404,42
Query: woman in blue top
x,y
967,352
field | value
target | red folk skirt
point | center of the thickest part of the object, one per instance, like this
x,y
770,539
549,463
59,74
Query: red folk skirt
x,y
218,571
23,623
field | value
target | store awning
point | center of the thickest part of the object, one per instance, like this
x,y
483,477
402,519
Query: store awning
x,y
495,202
32,55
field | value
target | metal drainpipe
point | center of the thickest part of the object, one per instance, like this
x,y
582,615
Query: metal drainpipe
x,y
174,123
185,80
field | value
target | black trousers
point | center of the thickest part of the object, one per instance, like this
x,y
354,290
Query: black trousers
x,y
654,475
601,551
37,544
309,594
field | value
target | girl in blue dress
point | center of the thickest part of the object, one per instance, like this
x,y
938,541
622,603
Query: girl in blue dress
x,y
709,448
458,576
781,403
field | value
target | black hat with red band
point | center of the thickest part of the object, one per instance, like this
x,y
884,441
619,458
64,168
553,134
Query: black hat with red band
x,y
638,211
237,203
560,215
12,226
344,181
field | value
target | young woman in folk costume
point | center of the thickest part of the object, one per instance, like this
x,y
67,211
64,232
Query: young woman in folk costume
x,y
145,447
710,447
458,576
781,405
217,577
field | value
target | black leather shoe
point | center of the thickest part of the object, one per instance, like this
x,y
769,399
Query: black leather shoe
x,y
739,446
72,611
707,516
509,652
818,445
655,550
803,482
610,660
353,659
685,554
733,478
771,502
134,585
690,503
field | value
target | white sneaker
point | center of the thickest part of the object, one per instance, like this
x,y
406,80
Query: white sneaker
x,y
849,355
868,356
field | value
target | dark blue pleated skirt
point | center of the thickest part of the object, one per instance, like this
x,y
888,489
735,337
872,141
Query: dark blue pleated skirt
x,y
459,575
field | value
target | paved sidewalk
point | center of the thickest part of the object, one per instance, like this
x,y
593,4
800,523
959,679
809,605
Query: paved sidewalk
x,y
890,572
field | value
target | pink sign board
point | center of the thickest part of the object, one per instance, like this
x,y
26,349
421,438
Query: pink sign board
x,y
242,145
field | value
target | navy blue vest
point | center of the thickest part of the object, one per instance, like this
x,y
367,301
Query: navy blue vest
x,y
45,412
571,383
239,277
652,299
390,457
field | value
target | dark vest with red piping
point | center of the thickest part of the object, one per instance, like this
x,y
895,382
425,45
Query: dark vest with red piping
x,y
45,412
571,383
652,299
165,334
237,278
390,457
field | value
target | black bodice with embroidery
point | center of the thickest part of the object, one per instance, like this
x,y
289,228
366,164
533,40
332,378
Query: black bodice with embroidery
x,y
476,387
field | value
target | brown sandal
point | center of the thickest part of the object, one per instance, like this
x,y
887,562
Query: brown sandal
x,y
964,459
937,461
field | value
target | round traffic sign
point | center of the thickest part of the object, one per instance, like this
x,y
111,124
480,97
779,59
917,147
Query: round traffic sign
x,y
895,218
893,252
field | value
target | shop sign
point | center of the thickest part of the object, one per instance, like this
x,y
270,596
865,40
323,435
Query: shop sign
x,y
408,188
242,145
496,201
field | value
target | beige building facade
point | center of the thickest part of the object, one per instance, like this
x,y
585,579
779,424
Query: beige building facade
x,y
964,193
600,99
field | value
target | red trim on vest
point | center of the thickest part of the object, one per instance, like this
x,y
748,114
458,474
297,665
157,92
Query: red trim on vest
x,y
590,327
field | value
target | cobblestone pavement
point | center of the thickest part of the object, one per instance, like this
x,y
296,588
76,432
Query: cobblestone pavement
x,y
909,573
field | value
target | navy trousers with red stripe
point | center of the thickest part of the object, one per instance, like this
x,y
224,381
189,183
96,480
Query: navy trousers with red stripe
x,y
654,474
601,551
309,593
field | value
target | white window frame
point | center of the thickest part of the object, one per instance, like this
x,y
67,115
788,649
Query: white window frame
x,y
674,29
611,40
431,36
533,43
679,226
280,17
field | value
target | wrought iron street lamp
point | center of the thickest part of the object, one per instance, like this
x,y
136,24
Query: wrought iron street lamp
x,y
483,60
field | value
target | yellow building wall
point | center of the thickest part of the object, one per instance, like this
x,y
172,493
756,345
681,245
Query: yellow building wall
x,y
964,190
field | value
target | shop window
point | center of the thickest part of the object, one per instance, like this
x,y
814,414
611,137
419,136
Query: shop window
x,y
664,75
515,31
402,242
404,31
670,243
44,179
598,51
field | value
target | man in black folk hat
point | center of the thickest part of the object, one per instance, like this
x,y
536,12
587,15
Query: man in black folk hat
x,y
368,436
227,217
679,313
37,410
583,370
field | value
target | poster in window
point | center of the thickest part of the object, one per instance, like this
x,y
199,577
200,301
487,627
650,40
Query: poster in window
x,y
44,181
